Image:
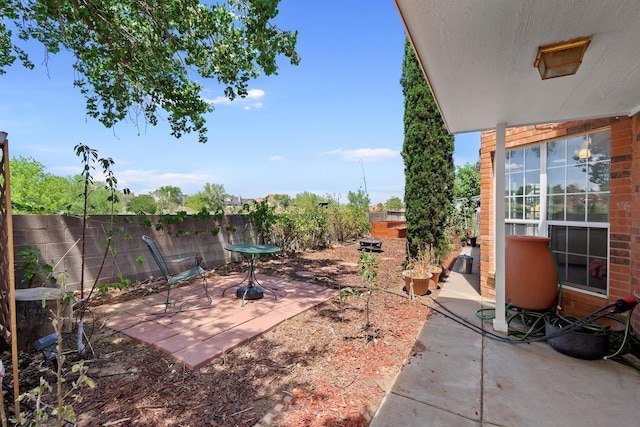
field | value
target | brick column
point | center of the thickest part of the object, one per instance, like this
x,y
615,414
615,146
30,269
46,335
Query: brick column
x,y
620,210
634,240
486,238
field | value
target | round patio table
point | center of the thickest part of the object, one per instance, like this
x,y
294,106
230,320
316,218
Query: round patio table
x,y
253,289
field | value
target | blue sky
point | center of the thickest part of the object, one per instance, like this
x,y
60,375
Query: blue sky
x,y
327,126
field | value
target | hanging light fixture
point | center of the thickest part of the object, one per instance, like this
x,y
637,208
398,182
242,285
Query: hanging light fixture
x,y
562,58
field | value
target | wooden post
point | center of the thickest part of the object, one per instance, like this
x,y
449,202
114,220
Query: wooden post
x,y
10,272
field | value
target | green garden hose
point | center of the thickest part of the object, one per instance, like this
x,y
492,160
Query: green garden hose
x,y
481,310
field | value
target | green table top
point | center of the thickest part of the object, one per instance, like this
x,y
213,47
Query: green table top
x,y
252,249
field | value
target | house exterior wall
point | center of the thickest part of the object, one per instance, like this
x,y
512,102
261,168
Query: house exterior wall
x,y
624,231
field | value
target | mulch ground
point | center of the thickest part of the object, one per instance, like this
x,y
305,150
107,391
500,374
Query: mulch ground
x,y
324,365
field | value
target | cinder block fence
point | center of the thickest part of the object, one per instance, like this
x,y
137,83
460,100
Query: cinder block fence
x,y
59,239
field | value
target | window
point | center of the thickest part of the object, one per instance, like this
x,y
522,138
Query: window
x,y
581,254
522,191
578,171
561,189
523,184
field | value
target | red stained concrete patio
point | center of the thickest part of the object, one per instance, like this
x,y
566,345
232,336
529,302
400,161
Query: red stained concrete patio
x,y
198,336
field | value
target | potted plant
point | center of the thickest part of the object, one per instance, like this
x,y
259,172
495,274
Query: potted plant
x,y
422,273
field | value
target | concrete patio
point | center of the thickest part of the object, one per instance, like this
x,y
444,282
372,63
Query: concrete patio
x,y
196,337
462,378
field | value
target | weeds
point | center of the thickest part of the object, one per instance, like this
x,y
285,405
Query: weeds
x,y
61,406
368,273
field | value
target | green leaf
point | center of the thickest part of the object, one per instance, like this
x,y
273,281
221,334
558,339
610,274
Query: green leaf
x,y
140,58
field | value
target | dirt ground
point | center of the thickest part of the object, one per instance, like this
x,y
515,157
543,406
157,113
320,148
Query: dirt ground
x,y
334,371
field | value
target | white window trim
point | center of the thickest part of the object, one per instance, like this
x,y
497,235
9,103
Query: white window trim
x,y
543,229
543,223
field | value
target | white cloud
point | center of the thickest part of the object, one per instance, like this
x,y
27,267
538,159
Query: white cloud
x,y
247,103
514,166
221,100
276,158
145,181
365,154
255,94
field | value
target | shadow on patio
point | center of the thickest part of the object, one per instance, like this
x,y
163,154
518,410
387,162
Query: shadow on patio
x,y
462,378
196,337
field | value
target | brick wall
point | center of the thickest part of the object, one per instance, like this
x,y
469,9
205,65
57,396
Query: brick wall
x,y
634,241
624,273
57,238
487,266
384,229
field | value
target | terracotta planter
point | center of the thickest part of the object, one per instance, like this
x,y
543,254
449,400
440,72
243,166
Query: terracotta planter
x,y
531,277
435,278
421,284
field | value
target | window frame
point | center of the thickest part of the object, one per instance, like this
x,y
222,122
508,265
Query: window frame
x,y
542,225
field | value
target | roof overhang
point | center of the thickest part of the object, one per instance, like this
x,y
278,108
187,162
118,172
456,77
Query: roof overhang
x,y
478,57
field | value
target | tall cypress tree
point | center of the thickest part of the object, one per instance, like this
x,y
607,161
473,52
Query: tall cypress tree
x,y
428,163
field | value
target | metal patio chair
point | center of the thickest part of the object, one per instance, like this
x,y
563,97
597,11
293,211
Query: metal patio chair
x,y
177,269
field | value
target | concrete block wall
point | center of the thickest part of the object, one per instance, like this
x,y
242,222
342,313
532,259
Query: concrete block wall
x,y
624,273
58,238
377,216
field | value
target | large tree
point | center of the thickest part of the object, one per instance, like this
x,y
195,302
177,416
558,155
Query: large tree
x,y
143,204
394,202
34,190
282,200
213,198
98,197
467,190
168,199
142,56
428,163
359,199
307,200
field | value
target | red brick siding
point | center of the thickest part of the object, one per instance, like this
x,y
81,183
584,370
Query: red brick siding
x,y
624,200
486,267
384,229
634,234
